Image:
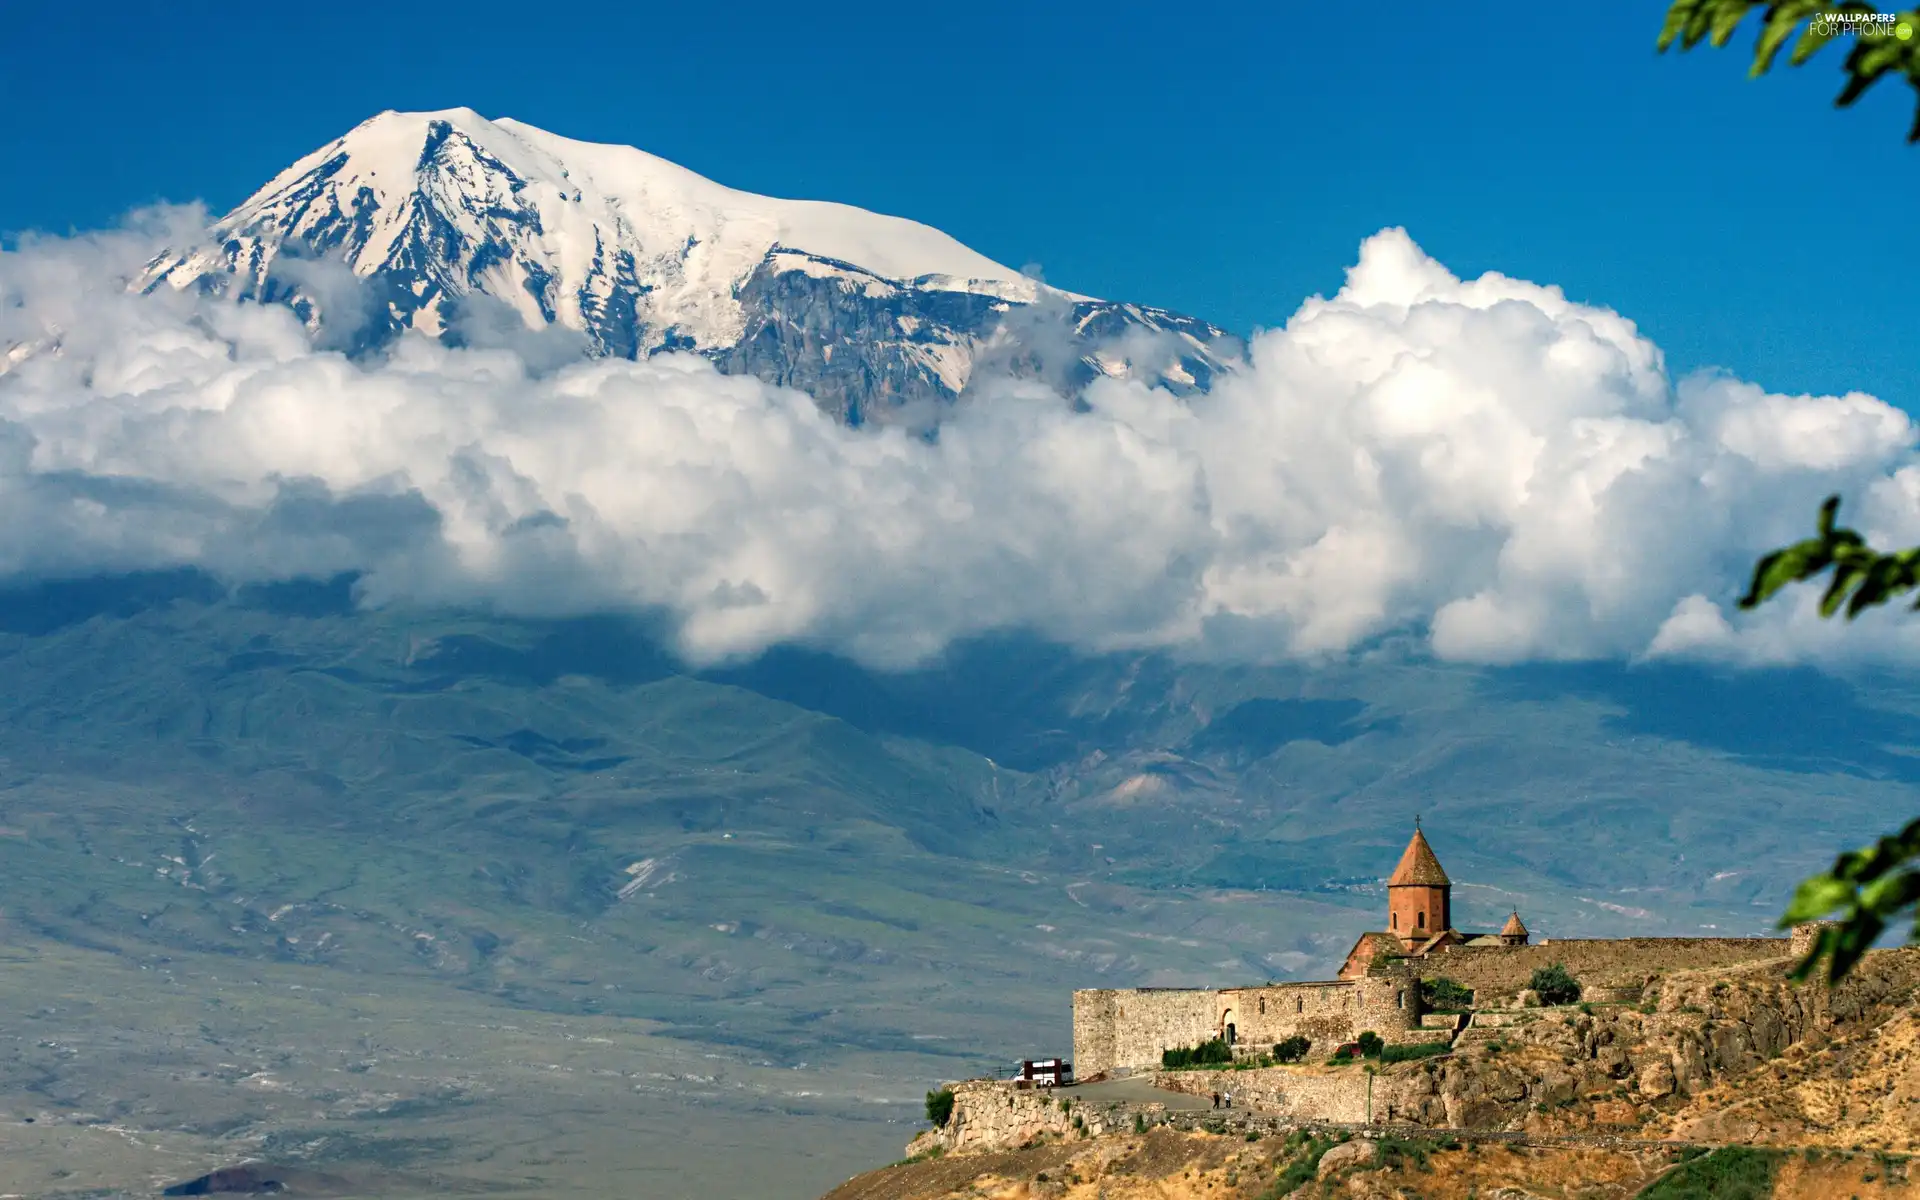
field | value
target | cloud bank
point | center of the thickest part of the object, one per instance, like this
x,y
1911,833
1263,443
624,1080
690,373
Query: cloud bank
x,y
1481,464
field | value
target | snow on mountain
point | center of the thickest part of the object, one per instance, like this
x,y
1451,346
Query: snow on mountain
x,y
865,311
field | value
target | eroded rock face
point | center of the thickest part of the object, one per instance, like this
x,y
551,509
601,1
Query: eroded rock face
x,y
1703,1028
993,1115
1656,1080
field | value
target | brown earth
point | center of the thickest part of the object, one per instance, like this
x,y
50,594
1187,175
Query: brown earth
x,y
1855,1092
1166,1165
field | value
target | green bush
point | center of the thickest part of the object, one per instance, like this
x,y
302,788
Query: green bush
x,y
1302,1169
1730,1173
1398,1151
940,1107
1206,1054
1371,1044
1554,985
1445,995
1413,1050
1292,1050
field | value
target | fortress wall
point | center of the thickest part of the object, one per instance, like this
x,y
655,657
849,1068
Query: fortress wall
x,y
1497,972
1324,1013
1291,1092
1094,1046
1389,1005
1115,1029
1128,1030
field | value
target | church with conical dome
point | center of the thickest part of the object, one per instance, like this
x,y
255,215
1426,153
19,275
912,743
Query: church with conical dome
x,y
1420,916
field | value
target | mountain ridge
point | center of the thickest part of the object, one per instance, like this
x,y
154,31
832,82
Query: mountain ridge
x,y
431,212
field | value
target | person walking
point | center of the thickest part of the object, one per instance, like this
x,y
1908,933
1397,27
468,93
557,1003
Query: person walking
x,y
1216,1099
1229,1099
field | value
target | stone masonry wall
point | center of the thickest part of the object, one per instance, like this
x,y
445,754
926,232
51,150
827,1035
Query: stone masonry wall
x,y
1496,973
1389,1005
1322,1012
1126,1030
1095,1047
1291,1093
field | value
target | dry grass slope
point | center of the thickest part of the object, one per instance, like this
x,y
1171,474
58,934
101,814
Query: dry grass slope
x,y
1165,1165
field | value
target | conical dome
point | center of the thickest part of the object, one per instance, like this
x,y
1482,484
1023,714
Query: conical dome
x,y
1418,866
1513,927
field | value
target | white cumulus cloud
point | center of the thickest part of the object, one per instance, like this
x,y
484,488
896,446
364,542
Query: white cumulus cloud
x,y
1482,463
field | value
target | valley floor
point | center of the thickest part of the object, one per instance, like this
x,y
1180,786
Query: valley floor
x,y
119,1077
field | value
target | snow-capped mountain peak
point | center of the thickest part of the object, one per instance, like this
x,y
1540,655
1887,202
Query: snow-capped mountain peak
x,y
635,252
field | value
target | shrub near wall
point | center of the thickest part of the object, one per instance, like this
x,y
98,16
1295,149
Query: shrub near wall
x,y
1206,1054
1554,984
1445,996
940,1107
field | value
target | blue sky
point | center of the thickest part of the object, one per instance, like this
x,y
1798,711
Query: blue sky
x,y
1224,160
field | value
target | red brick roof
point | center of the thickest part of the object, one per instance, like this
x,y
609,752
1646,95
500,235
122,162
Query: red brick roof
x,y
1513,926
1418,865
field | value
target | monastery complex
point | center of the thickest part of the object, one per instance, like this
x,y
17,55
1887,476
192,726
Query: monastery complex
x,y
1120,1031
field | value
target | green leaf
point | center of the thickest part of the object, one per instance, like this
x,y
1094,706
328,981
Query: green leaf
x,y
1855,938
1811,42
1780,22
1874,55
1891,893
1816,898
1782,567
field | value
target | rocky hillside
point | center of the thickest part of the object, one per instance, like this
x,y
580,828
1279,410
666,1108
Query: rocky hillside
x,y
1668,1066
1164,1164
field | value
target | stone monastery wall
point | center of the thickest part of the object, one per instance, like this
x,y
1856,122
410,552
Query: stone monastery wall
x,y
1497,972
1127,1030
1292,1093
1114,1029
1122,1029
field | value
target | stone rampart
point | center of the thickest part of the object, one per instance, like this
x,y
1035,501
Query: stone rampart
x,y
1293,1094
1127,1030
1320,1012
1498,973
1124,1030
